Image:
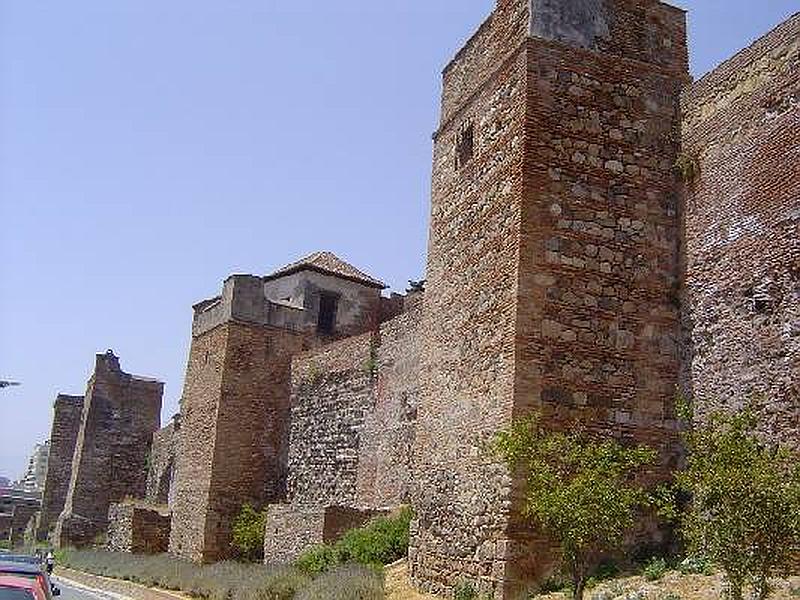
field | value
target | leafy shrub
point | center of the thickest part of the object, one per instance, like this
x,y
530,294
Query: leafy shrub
x,y
655,569
695,565
350,582
465,591
317,559
745,510
581,492
248,533
381,542
553,583
688,167
5,545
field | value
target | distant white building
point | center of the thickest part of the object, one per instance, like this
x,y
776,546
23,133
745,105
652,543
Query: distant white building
x,y
33,479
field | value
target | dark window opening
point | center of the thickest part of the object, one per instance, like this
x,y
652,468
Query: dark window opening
x,y
465,145
327,313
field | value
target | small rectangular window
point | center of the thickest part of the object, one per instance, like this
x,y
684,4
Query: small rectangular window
x,y
465,144
326,320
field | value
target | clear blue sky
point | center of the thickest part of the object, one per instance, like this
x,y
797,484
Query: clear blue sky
x,y
149,148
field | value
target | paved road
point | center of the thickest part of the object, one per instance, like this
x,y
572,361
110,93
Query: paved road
x,y
74,591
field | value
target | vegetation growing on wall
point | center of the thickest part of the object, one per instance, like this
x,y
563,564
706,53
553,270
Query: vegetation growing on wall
x,y
248,533
382,541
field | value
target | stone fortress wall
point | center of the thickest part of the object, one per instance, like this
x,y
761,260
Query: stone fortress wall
x,y
352,425
741,134
572,270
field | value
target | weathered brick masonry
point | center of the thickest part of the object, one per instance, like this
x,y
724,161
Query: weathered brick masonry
x,y
741,132
553,263
5,526
67,412
21,517
121,412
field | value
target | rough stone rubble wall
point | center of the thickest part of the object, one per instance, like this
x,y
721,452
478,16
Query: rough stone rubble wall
x,y
331,394
138,529
352,426
385,469
353,418
121,413
67,413
552,274
292,529
742,217
161,464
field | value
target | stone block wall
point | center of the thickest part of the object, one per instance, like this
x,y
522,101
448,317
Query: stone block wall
x,y
552,269
741,133
292,529
161,464
5,526
121,413
385,467
234,431
137,528
331,394
22,515
353,418
67,413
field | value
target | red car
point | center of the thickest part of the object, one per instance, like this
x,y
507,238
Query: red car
x,y
28,568
21,588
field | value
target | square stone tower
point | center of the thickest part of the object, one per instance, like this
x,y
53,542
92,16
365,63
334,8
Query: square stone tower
x,y
552,265
233,441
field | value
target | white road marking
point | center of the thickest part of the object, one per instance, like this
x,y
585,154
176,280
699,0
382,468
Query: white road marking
x,y
79,587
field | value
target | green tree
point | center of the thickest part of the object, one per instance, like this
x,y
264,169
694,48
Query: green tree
x,y
744,514
248,533
581,491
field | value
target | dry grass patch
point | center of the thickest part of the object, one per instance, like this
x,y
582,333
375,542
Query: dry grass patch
x,y
673,586
397,585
